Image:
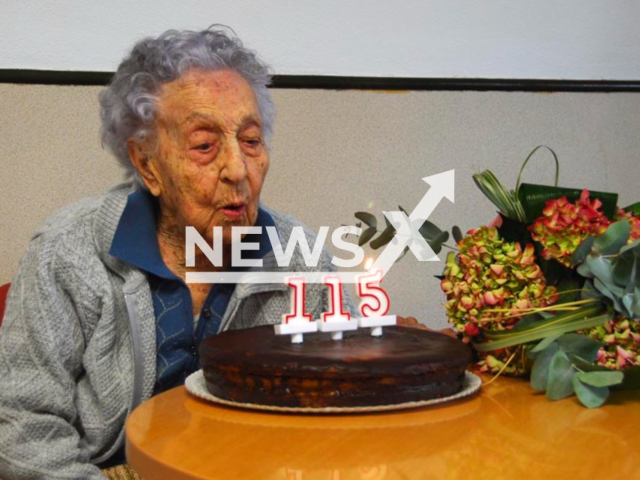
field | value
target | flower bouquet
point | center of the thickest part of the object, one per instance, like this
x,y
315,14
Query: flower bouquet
x,y
550,289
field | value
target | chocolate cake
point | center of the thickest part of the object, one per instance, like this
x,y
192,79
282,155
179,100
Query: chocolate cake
x,y
403,365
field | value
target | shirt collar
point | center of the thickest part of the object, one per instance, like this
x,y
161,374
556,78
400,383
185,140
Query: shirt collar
x,y
136,243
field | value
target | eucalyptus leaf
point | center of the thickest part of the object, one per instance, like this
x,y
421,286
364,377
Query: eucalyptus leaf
x,y
581,345
540,369
457,234
585,365
545,343
385,237
589,291
368,219
589,396
632,247
635,309
559,380
601,268
404,252
613,239
623,269
580,254
436,243
430,231
616,299
584,271
367,235
601,379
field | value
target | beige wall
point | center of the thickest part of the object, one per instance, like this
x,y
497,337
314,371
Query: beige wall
x,y
338,152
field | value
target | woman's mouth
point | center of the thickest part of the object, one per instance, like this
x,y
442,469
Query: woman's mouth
x,y
234,211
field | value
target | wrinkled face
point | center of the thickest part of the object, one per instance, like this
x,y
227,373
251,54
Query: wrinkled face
x,y
211,159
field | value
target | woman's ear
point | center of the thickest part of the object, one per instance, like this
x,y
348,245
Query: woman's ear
x,y
138,153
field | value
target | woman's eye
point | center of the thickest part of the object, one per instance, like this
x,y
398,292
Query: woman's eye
x,y
204,147
253,142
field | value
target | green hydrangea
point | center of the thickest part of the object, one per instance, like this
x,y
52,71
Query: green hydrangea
x,y
487,284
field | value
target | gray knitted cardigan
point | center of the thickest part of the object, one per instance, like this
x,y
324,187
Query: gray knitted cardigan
x,y
77,345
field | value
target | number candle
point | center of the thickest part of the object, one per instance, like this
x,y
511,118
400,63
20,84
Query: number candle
x,y
298,321
336,320
375,303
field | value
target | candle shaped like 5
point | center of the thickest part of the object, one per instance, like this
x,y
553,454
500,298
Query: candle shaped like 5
x,y
298,321
336,320
375,303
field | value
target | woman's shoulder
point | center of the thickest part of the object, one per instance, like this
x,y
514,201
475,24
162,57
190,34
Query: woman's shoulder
x,y
77,236
71,218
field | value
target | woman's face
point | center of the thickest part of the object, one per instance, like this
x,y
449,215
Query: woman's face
x,y
211,158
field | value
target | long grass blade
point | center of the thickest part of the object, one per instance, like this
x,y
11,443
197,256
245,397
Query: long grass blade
x,y
569,322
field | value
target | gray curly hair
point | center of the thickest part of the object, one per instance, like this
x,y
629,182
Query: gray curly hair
x,y
128,106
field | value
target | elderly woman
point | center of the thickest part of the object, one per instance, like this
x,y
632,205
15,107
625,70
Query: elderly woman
x,y
99,317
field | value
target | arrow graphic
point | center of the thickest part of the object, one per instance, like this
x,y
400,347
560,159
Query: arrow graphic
x,y
407,228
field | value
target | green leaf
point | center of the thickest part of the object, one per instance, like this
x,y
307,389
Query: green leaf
x,y
436,243
540,369
589,291
534,198
585,365
430,231
589,396
611,241
601,268
633,209
622,271
583,318
580,254
632,247
561,372
581,345
366,235
615,296
601,379
545,343
584,271
404,252
368,219
457,234
505,200
385,237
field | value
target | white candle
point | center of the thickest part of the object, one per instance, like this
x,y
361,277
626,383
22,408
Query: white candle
x,y
297,322
374,305
336,320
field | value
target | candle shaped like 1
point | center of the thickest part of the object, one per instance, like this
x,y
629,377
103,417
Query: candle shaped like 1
x,y
336,320
375,304
298,321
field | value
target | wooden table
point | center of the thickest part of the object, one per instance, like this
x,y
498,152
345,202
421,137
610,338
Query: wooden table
x,y
508,431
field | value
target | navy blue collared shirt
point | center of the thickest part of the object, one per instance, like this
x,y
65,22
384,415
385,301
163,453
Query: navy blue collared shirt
x,y
178,333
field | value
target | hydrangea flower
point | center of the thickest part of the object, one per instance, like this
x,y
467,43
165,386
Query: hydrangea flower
x,y
621,339
564,225
488,283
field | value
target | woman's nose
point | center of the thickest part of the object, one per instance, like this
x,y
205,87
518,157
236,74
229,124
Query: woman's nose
x,y
234,168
